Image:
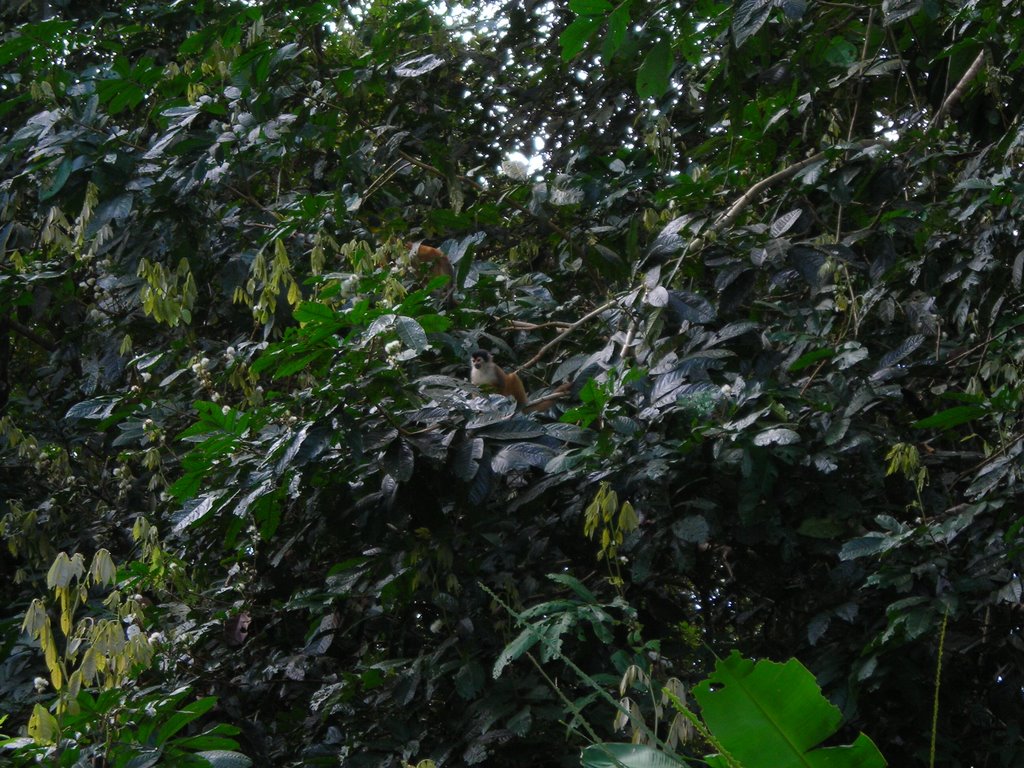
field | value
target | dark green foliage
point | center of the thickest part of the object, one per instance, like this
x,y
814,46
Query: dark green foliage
x,y
796,352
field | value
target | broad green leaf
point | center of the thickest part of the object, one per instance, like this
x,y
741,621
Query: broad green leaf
x,y
184,716
618,24
221,758
57,183
97,408
115,208
627,756
909,345
777,436
840,52
894,11
15,47
590,7
652,79
575,36
313,312
411,333
783,223
810,358
951,417
866,546
575,585
748,17
693,529
771,715
821,528
470,680
523,642
42,726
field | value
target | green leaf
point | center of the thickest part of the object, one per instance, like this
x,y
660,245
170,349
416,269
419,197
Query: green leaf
x,y
15,47
783,223
777,436
524,642
575,585
57,183
411,333
771,714
865,546
521,456
627,756
115,208
618,24
183,717
951,417
221,758
652,78
897,10
590,7
840,52
97,408
470,680
693,529
821,528
575,36
748,17
810,358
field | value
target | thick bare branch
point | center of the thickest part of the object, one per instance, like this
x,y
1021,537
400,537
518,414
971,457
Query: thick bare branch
x,y
957,93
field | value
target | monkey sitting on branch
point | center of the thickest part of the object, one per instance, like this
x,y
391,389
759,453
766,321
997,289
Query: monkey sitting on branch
x,y
489,376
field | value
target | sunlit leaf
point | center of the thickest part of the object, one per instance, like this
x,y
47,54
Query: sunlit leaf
x,y
419,65
894,11
777,436
610,755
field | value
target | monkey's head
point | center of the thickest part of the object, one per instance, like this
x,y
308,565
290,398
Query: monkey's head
x,y
479,359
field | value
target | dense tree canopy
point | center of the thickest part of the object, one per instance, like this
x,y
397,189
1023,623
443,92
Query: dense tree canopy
x,y
773,247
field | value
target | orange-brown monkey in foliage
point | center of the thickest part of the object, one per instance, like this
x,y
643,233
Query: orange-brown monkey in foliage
x,y
487,374
437,264
434,258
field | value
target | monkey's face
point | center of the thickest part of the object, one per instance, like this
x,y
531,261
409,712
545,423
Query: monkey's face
x,y
478,360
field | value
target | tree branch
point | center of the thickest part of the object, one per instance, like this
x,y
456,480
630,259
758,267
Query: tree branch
x,y
955,95
32,336
727,218
590,315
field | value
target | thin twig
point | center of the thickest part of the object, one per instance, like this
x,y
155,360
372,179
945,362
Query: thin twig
x,y
749,196
982,344
384,178
903,69
590,315
938,683
958,92
253,201
523,325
